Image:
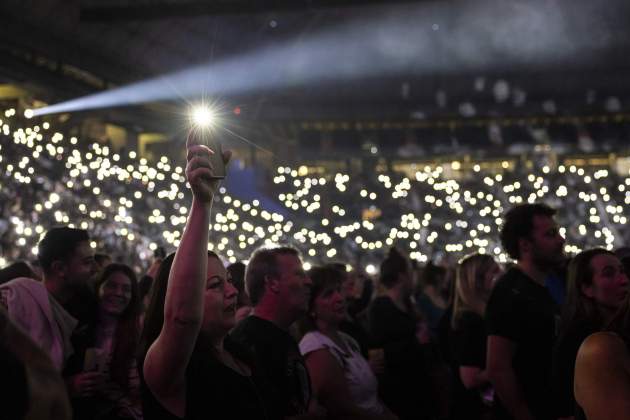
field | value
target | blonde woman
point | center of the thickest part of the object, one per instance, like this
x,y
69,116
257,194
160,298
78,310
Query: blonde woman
x,y
474,280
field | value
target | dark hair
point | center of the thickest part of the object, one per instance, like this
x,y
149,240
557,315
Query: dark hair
x,y
237,274
392,266
470,293
620,323
127,331
101,258
623,254
154,317
15,270
518,223
263,263
579,309
322,278
59,244
433,275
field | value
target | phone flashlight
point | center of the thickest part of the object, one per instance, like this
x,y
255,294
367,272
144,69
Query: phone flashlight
x,y
205,131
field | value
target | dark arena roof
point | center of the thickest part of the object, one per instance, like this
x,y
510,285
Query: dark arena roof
x,y
331,60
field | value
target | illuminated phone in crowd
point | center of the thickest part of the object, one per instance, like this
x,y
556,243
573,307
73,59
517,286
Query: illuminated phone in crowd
x,y
205,132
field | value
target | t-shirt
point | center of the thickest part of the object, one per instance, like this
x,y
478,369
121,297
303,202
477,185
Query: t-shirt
x,y
524,312
281,364
405,387
468,341
214,390
361,381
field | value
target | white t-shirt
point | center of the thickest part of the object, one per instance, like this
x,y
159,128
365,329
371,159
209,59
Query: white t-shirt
x,y
361,381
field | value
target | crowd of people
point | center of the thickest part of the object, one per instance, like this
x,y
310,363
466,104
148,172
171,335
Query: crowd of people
x,y
440,210
542,337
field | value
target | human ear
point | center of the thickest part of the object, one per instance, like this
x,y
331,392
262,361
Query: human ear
x,y
524,245
58,268
588,291
272,284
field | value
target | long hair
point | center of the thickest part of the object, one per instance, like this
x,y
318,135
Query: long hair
x,y
580,309
620,323
127,330
322,278
392,267
154,318
471,293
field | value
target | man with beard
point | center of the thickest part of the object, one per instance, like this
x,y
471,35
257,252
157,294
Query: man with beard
x,y
521,315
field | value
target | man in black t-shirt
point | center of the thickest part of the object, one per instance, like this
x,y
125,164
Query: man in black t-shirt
x,y
521,315
279,290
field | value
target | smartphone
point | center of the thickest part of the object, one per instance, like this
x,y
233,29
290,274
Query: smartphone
x,y
216,160
209,137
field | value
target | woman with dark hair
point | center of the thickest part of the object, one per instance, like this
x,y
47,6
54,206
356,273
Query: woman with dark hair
x,y
429,295
243,304
108,385
340,375
475,278
191,368
405,385
602,367
596,288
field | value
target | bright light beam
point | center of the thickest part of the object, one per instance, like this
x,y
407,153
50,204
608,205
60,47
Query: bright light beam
x,y
203,116
405,40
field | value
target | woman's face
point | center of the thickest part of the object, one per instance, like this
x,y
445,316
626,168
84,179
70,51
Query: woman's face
x,y
610,282
330,306
115,293
219,300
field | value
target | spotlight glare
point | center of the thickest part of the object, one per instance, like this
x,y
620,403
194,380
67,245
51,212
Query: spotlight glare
x,y
29,113
203,116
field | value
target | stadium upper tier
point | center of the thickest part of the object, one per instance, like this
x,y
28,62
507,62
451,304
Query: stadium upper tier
x,y
431,210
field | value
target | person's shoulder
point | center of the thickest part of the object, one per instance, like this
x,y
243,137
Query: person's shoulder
x,y
605,346
380,303
255,330
350,341
25,282
468,319
243,328
512,283
239,349
312,340
20,290
510,277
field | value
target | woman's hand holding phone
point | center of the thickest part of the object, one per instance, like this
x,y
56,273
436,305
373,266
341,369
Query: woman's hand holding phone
x,y
201,168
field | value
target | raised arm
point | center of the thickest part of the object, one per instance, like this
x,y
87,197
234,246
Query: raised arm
x,y
167,358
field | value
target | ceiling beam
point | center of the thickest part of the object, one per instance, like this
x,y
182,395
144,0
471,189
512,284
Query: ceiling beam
x,y
168,10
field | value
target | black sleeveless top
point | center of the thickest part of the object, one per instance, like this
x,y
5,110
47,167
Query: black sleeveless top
x,y
213,390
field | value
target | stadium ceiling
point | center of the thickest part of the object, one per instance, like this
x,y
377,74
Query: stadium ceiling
x,y
550,50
